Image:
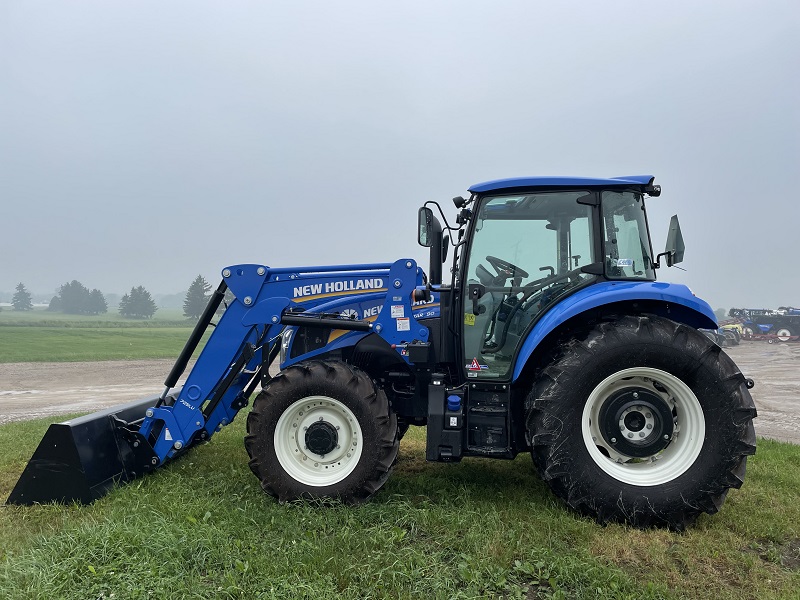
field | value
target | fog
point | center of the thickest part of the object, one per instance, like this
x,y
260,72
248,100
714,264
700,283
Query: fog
x,y
144,143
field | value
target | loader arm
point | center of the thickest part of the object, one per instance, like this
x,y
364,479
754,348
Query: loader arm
x,y
234,360
246,339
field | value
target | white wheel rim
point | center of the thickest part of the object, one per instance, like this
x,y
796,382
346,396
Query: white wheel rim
x,y
784,335
686,440
298,461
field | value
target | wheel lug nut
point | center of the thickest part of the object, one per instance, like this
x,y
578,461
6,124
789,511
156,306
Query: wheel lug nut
x,y
613,440
666,437
630,435
320,418
635,394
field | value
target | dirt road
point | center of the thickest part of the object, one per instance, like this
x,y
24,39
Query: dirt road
x,y
30,390
776,371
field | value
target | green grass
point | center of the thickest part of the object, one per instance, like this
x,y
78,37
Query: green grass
x,y
59,344
38,336
40,317
203,528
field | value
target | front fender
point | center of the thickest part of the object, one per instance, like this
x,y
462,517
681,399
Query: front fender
x,y
696,313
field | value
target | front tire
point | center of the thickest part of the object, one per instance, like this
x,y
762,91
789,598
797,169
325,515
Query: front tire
x,y
641,420
322,430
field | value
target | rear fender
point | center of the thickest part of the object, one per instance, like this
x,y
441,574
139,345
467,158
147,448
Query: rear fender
x,y
694,311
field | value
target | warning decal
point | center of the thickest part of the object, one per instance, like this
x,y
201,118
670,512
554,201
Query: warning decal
x,y
476,366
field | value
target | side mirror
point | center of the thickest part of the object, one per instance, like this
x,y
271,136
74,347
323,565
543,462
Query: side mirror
x,y
425,227
675,246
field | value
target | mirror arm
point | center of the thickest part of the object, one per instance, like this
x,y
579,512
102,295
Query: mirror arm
x,y
669,255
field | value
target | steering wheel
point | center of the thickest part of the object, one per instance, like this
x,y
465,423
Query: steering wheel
x,y
535,288
502,266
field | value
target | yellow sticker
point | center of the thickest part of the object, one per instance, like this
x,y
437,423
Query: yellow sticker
x,y
469,319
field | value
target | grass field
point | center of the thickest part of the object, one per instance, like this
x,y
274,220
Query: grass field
x,y
58,344
202,528
40,317
41,336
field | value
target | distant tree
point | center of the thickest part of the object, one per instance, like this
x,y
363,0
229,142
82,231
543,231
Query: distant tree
x,y
721,314
138,303
196,298
55,304
96,304
227,299
22,299
74,298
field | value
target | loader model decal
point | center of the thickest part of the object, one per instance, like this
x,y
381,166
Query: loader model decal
x,y
320,290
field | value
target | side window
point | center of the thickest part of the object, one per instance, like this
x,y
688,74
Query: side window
x,y
626,243
526,244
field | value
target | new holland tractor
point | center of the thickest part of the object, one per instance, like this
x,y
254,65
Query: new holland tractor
x,y
550,335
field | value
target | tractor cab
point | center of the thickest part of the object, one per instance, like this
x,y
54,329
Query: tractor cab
x,y
523,245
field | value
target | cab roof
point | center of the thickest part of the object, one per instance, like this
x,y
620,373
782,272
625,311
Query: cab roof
x,y
549,182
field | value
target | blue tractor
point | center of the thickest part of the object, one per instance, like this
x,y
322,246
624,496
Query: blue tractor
x,y
551,336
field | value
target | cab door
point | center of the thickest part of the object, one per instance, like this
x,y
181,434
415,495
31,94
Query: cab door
x,y
526,253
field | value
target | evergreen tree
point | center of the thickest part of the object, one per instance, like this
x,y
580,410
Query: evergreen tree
x,y
124,305
96,304
227,299
74,298
196,298
138,303
22,299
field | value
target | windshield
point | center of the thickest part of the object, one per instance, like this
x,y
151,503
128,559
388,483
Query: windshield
x,y
626,243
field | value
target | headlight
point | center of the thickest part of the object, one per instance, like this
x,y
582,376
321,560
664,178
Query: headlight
x,y
286,340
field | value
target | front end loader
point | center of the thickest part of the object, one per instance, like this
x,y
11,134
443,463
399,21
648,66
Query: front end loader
x,y
552,337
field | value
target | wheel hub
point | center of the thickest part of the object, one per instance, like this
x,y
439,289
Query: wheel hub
x,y
636,422
321,438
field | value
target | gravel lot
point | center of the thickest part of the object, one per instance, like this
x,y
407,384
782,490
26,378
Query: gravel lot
x,y
31,390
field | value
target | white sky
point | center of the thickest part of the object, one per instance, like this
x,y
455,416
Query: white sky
x,y
143,143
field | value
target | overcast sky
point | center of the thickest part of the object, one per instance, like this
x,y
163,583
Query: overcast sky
x,y
144,143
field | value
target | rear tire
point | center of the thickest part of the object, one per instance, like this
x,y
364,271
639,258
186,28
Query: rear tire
x,y
643,421
784,334
322,430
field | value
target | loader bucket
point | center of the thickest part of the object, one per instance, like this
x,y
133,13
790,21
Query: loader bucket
x,y
81,459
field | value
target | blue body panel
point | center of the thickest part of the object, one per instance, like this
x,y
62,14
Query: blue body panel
x,y
533,182
608,292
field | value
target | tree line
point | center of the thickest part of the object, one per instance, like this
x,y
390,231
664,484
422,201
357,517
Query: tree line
x,y
74,298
